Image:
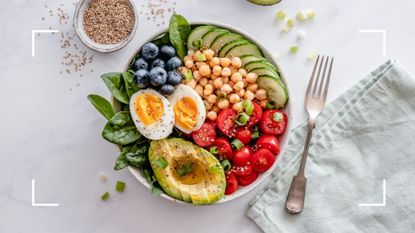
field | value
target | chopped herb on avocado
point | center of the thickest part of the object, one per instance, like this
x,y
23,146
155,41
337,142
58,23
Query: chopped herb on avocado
x,y
184,170
161,162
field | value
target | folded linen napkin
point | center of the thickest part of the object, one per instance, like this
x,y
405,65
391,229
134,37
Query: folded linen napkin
x,y
365,136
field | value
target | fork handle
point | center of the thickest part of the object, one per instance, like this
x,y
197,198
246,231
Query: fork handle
x,y
311,125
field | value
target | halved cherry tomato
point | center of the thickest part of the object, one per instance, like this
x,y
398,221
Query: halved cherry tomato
x,y
262,160
255,116
247,180
205,135
242,156
213,123
269,142
270,126
242,170
225,121
243,134
231,183
224,147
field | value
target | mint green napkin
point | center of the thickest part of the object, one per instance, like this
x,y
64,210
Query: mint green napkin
x,y
365,136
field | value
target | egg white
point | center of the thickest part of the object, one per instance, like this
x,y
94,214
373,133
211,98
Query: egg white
x,y
161,128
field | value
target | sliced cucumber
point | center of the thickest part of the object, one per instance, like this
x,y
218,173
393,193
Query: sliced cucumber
x,y
266,71
265,2
260,63
195,37
275,89
222,40
230,45
244,49
209,37
250,58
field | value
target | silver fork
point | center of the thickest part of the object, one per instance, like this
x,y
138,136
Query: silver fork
x,y
315,100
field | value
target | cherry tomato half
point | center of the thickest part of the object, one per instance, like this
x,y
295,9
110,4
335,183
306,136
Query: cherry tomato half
x,y
242,156
205,135
262,160
231,183
269,125
242,170
255,116
243,134
224,147
225,121
269,142
247,180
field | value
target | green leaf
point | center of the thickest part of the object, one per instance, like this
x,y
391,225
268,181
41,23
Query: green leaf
x,y
102,106
162,39
130,85
137,160
115,84
179,30
121,162
120,129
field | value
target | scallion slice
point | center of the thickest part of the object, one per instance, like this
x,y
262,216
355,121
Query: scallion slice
x,y
120,186
290,23
105,196
271,104
248,106
294,49
188,75
255,135
242,119
161,162
214,150
237,144
301,16
281,15
201,57
277,117
226,165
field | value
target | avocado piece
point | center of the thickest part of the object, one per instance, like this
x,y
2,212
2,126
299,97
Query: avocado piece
x,y
192,175
265,2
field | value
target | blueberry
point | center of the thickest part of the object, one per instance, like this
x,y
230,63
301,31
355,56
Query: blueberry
x,y
141,64
173,63
174,78
167,51
158,76
157,63
141,78
167,89
150,51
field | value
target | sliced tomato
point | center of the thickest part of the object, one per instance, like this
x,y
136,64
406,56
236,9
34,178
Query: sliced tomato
x,y
243,134
242,156
224,147
225,121
247,180
269,124
255,116
242,170
269,142
231,183
205,135
213,123
262,160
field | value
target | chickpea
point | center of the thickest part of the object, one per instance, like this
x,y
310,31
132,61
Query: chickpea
x,y
223,104
210,82
204,70
190,52
238,86
196,54
215,108
263,103
261,94
241,93
233,69
236,77
252,87
207,92
212,115
245,82
225,62
187,58
203,81
199,89
211,99
199,64
236,62
191,84
225,80
217,83
249,95
226,88
208,54
196,75
234,98
209,87
242,71
226,72
214,62
231,83
237,107
208,105
251,78
217,70
189,63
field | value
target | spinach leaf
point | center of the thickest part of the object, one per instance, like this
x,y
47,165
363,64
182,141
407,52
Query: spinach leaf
x,y
115,84
137,156
130,85
121,162
102,106
162,39
120,129
179,30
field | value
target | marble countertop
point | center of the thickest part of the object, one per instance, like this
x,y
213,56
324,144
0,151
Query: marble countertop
x,y
50,133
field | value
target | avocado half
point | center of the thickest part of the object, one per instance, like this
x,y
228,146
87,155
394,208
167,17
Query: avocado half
x,y
203,183
265,2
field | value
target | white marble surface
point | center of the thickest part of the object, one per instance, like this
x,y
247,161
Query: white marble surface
x,y
49,132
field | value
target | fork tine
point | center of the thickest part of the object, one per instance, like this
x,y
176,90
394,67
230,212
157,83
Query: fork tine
x,y
326,88
318,76
323,77
310,83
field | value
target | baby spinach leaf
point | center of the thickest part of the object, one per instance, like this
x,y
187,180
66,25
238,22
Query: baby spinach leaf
x,y
121,162
102,106
115,84
179,30
137,160
130,85
120,129
162,39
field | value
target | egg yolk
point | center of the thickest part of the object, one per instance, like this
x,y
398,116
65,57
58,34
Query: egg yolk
x,y
185,113
149,108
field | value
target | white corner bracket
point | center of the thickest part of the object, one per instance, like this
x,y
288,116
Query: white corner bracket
x,y
383,32
34,204
33,37
378,204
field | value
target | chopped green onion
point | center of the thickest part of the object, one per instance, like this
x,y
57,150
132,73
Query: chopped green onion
x,y
242,118
277,117
237,144
161,162
214,169
214,150
311,14
226,165
222,95
290,23
181,171
105,196
188,168
294,49
197,43
248,106
184,170
120,186
201,57
188,75
281,15
311,55
271,104
301,16
255,135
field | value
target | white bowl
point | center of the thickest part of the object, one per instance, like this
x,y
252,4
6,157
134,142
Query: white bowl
x,y
104,48
241,190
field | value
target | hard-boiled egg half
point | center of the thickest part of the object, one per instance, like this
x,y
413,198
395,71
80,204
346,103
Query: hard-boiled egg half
x,y
152,114
188,107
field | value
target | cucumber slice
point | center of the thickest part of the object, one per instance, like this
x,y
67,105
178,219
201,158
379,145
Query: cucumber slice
x,y
260,63
222,40
250,58
230,45
244,49
275,89
196,34
209,37
266,71
265,2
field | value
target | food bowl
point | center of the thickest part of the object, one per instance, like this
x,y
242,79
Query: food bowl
x,y
104,48
287,109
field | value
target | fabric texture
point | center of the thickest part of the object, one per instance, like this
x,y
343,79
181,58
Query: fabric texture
x,y
365,136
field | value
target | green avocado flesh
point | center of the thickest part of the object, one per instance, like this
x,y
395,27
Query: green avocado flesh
x,y
192,174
